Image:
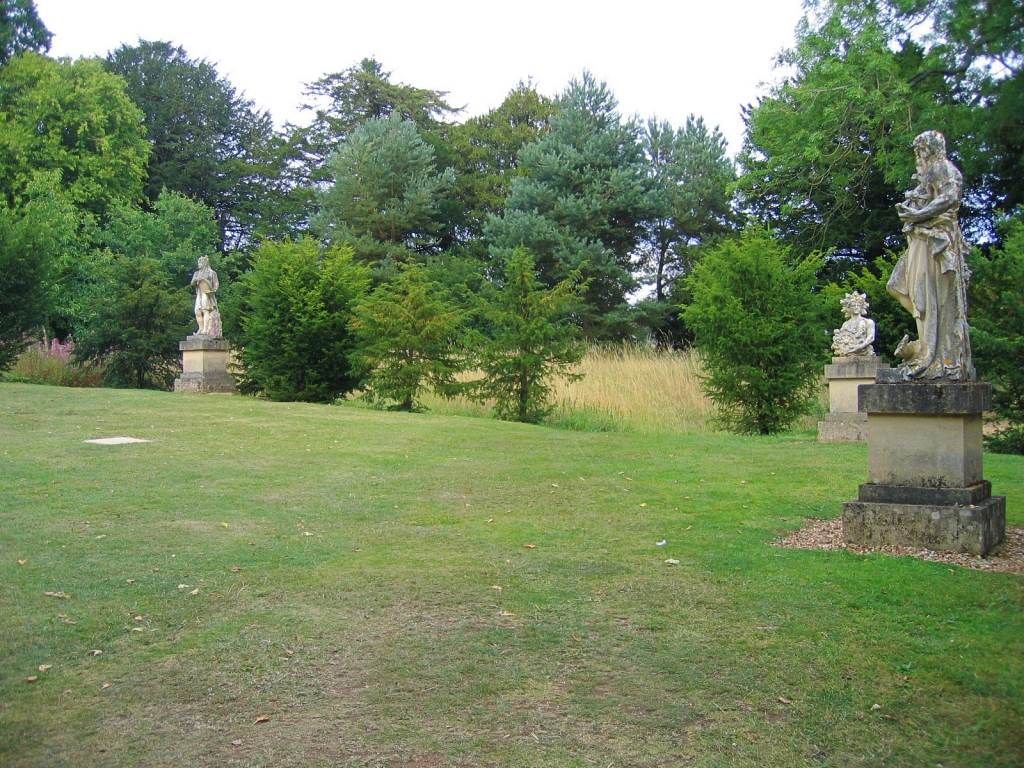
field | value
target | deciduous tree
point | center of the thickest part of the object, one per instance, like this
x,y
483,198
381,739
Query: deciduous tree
x,y
136,319
484,152
136,301
21,30
75,118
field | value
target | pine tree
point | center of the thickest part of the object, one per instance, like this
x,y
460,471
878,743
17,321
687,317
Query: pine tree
x,y
385,194
581,204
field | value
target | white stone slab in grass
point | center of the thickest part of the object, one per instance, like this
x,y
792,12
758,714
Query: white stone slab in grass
x,y
116,440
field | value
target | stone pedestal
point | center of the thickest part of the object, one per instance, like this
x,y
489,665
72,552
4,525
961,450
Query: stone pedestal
x,y
204,366
844,422
925,486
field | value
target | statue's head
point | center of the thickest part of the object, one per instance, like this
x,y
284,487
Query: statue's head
x,y
930,144
855,303
204,262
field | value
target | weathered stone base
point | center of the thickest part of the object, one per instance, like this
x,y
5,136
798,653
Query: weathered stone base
x,y
844,424
843,428
206,383
204,366
974,529
925,486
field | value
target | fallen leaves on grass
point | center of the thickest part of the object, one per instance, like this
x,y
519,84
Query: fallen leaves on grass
x,y
1008,557
506,613
194,591
129,581
496,587
22,562
671,562
236,743
95,652
104,686
783,700
44,667
58,595
530,546
235,569
261,719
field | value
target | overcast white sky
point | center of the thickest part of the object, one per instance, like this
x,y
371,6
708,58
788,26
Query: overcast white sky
x,y
669,58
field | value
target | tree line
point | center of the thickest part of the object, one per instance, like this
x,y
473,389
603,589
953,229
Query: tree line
x,y
116,172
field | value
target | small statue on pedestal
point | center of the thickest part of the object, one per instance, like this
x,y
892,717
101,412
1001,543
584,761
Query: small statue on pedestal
x,y
207,315
858,332
205,353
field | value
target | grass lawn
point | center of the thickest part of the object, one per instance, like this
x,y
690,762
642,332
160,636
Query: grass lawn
x,y
290,585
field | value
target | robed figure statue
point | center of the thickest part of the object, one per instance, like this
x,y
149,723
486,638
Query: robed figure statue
x,y
207,315
930,279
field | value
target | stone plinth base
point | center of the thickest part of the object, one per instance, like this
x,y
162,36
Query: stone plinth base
x,y
204,366
925,485
974,529
845,375
843,428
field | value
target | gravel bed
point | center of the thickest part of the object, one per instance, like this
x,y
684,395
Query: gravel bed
x,y
1008,557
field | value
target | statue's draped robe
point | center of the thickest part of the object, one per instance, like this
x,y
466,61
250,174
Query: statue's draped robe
x,y
930,281
206,283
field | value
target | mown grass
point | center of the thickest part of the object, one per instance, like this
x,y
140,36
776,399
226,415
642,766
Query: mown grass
x,y
363,622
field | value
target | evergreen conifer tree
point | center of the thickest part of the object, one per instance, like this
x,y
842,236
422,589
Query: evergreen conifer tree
x,y
581,204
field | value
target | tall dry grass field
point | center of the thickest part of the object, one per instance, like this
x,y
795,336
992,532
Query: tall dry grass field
x,y
630,387
640,387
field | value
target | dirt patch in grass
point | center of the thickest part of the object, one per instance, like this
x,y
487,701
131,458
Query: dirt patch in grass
x,y
1008,557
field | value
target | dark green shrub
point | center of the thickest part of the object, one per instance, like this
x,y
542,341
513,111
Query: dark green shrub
x,y
758,326
997,331
295,306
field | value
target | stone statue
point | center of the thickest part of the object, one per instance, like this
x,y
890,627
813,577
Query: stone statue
x,y
858,332
207,315
930,279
